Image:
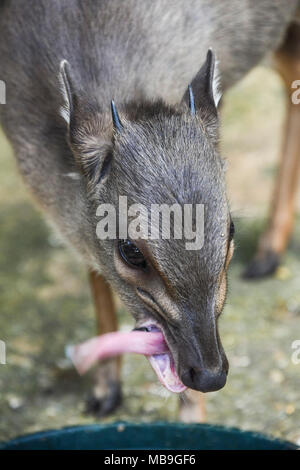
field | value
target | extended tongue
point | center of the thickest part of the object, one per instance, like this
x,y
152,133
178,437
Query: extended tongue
x,y
86,354
150,343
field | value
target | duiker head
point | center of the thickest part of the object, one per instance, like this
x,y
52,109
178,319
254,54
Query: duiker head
x,y
152,153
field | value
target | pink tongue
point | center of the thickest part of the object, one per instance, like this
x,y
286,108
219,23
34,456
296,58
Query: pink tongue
x,y
151,344
113,344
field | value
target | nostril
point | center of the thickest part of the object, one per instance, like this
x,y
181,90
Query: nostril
x,y
189,377
192,374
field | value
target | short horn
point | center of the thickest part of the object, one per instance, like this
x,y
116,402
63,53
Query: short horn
x,y
115,117
191,100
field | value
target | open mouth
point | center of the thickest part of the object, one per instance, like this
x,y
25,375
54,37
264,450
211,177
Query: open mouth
x,y
146,339
163,364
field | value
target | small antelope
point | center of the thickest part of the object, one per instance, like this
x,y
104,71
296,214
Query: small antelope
x,y
63,62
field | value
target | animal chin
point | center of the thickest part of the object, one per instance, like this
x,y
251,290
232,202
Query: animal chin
x,y
163,365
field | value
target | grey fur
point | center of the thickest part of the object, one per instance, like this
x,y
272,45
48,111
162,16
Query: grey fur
x,y
143,54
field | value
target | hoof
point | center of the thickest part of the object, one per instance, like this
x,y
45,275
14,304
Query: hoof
x,y
104,405
262,265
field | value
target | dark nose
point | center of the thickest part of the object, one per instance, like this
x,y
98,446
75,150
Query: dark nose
x,y
204,380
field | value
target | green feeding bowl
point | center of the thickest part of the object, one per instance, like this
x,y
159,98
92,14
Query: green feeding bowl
x,y
131,436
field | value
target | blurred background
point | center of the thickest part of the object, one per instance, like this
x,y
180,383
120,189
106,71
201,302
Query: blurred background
x,y
45,301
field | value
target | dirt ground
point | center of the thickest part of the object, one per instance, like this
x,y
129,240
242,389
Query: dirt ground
x,y
45,302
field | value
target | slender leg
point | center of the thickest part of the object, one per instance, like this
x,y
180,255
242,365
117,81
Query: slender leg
x,y
107,390
274,240
192,407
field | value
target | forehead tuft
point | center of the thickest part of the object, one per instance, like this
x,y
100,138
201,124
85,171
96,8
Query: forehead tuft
x,y
169,158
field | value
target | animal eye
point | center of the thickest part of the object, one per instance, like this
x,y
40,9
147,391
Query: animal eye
x,y
131,254
231,231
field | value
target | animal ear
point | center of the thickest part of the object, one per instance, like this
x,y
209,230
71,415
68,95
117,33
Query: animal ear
x,y
88,132
67,87
204,91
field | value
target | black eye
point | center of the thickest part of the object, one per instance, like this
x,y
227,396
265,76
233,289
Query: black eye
x,y
131,254
231,231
